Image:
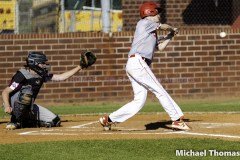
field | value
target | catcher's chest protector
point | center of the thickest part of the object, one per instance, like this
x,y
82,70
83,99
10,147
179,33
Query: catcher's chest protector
x,y
35,81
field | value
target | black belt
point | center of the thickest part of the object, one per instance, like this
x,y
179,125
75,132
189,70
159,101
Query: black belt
x,y
148,61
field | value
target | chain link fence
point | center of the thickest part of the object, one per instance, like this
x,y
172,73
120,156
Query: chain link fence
x,y
59,16
211,12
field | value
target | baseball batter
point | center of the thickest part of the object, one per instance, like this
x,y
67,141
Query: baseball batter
x,y
138,70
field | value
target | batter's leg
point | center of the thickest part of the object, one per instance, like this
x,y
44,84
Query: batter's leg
x,y
131,108
150,81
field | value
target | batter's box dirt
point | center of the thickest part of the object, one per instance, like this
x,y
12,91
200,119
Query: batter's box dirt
x,y
142,126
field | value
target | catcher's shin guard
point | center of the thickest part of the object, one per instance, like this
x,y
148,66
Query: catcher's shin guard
x,y
22,102
56,122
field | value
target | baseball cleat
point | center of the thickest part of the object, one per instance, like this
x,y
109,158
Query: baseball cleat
x,y
12,126
180,125
104,122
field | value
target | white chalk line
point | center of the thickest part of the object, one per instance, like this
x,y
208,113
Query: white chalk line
x,y
52,134
186,133
209,134
92,132
225,124
218,125
149,113
27,133
134,133
84,125
42,132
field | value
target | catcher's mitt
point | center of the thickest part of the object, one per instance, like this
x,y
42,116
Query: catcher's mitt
x,y
87,59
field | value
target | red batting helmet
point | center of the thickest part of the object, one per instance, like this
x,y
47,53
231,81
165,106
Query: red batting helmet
x,y
149,9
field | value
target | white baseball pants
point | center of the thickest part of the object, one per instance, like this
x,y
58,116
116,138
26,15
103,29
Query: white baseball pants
x,y
142,80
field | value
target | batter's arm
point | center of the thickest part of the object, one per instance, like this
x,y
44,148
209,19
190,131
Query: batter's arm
x,y
163,45
5,97
65,75
164,41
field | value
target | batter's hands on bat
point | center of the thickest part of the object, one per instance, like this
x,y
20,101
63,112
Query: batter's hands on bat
x,y
167,27
87,59
174,30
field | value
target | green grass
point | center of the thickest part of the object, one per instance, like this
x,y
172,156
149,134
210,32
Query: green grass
x,y
186,106
155,149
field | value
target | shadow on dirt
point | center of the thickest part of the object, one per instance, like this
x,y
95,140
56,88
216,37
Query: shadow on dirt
x,y
163,124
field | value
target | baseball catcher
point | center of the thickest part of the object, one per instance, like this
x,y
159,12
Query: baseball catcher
x,y
19,96
145,41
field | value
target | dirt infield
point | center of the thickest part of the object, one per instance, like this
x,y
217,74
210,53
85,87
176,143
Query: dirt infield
x,y
142,126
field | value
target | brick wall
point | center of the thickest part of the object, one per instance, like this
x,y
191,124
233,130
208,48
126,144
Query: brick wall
x,y
196,63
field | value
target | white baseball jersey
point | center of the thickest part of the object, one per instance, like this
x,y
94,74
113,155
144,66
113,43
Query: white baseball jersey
x,y
145,39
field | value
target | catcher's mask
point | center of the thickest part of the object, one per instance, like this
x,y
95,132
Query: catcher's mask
x,y
37,62
149,9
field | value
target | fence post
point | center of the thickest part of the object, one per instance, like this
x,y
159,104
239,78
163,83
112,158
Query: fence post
x,y
105,16
62,17
92,14
73,21
16,30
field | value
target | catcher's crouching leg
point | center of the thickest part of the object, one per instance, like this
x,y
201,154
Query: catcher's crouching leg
x,y
45,117
56,122
21,103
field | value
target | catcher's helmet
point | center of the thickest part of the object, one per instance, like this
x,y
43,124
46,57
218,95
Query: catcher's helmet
x,y
149,9
35,58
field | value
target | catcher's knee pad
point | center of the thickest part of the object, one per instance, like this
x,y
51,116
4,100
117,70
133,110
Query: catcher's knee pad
x,y
24,99
25,96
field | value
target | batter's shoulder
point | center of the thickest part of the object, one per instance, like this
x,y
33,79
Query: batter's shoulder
x,y
141,25
147,25
143,22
